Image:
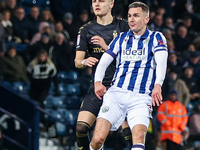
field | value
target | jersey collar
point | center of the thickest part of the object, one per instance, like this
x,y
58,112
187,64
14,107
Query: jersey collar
x,y
144,36
113,21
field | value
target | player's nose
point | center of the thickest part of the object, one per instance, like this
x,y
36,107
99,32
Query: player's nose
x,y
132,18
96,3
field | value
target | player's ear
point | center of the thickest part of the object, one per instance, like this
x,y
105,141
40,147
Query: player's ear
x,y
147,19
111,4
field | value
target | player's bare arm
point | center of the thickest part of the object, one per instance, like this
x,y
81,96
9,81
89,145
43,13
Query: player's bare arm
x,y
100,89
81,62
156,95
99,41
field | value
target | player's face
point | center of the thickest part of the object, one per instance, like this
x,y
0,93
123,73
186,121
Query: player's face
x,y
137,20
102,7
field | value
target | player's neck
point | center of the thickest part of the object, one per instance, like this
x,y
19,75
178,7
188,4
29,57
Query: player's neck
x,y
141,32
105,20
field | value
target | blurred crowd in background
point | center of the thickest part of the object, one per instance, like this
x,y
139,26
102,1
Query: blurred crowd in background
x,y
38,39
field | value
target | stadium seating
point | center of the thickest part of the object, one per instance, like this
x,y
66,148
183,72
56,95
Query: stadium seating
x,y
67,77
55,102
21,87
70,116
52,89
62,89
18,86
69,89
7,84
62,77
39,3
59,102
73,89
73,102
61,114
73,76
52,112
73,118
61,129
48,102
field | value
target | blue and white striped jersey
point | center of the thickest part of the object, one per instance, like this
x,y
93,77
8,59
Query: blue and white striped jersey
x,y
135,61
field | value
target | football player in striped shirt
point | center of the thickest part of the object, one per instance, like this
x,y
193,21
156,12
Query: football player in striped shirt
x,y
141,60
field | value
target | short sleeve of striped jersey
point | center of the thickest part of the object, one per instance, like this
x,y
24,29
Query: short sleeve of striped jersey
x,y
113,47
160,42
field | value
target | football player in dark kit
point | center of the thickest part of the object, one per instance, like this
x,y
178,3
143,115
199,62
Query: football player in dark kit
x,y
94,37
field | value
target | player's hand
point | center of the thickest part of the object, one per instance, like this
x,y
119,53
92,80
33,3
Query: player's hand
x,y
156,95
90,61
99,41
99,89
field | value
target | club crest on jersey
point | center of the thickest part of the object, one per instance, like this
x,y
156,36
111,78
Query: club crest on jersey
x,y
145,41
115,34
105,109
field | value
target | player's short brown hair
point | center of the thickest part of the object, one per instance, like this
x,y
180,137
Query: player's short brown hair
x,y
144,7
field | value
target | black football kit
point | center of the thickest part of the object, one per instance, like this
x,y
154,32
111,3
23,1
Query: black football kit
x,y
108,32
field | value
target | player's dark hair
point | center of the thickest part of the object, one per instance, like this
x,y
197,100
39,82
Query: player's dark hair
x,y
144,7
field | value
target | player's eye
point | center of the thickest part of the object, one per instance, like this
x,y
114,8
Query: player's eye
x,y
136,15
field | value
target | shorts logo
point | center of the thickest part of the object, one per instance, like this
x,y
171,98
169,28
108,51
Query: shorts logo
x,y
105,109
150,110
